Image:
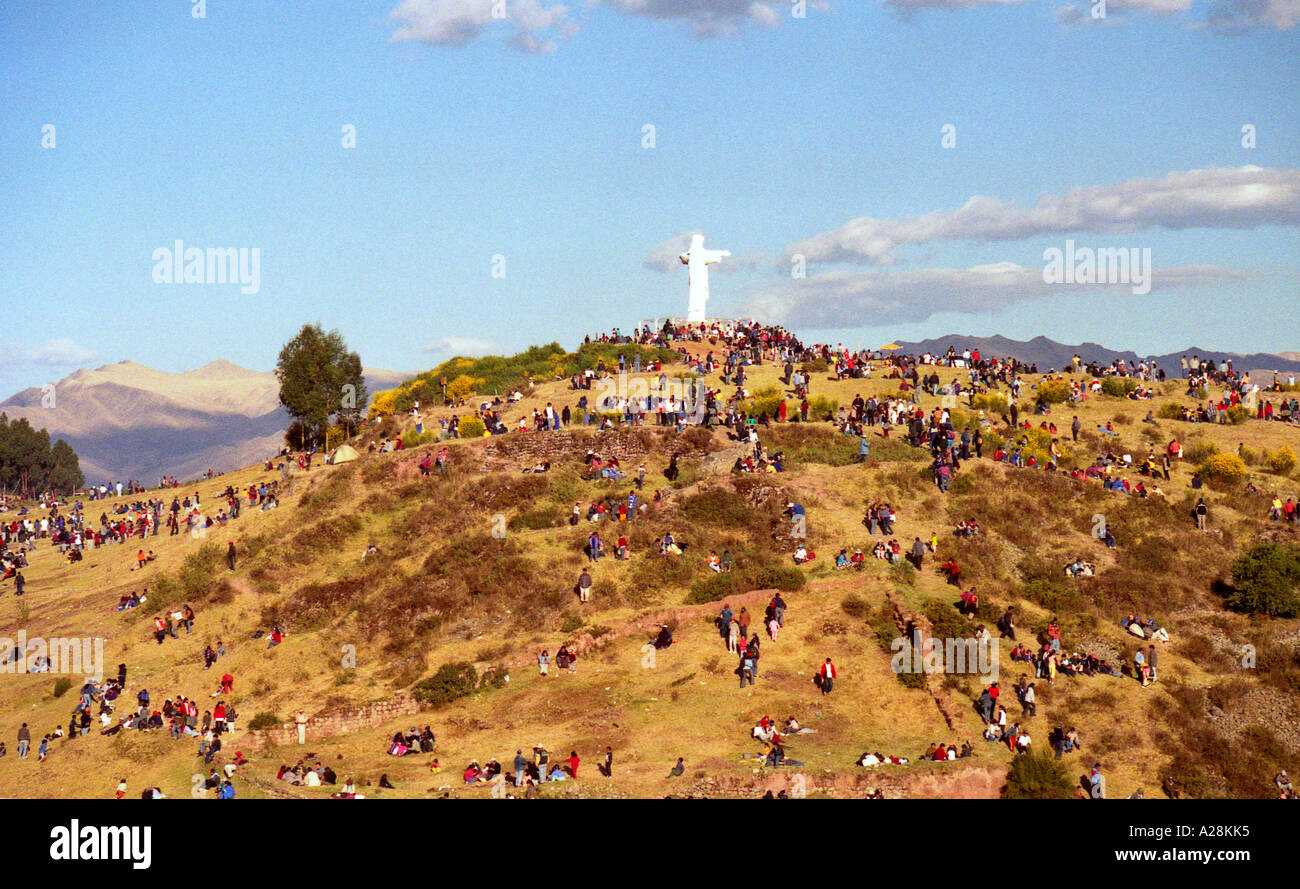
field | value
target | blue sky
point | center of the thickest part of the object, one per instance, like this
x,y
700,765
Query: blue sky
x,y
776,136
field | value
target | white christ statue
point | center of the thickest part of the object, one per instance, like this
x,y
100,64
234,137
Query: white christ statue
x,y
697,261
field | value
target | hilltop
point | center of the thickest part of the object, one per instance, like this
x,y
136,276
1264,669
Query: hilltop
x,y
475,573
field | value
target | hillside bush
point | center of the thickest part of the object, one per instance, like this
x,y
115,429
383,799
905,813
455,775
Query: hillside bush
x,y
61,686
1281,461
711,589
453,680
263,720
1238,415
822,407
1266,580
995,402
1118,387
779,577
1222,469
1200,452
1054,391
538,519
471,427
1170,410
1037,776
762,401
718,507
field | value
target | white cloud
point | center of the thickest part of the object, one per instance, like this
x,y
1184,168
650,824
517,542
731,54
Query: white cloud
x,y
1223,197
857,298
907,8
713,18
455,346
1240,15
51,353
537,24
1225,16
458,22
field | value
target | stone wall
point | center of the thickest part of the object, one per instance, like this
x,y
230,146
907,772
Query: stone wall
x,y
337,721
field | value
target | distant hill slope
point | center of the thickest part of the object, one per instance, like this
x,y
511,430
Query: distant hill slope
x,y
1051,354
128,421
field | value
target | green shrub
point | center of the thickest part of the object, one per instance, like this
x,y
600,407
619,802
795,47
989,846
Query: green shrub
x,y
1170,410
494,677
718,507
1054,391
994,402
822,407
711,589
1238,415
1266,580
1118,387
1037,776
471,427
904,572
61,686
451,681
1200,452
537,519
762,401
856,606
264,720
779,577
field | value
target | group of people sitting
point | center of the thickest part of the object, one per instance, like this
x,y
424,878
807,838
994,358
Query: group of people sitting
x,y
940,753
307,775
1080,568
412,742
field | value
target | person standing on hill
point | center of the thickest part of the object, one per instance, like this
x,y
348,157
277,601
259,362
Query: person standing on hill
x,y
230,555
1201,511
918,553
584,586
827,674
1075,427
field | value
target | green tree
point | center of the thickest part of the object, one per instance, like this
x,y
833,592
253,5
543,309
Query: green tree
x,y
29,464
65,473
321,383
1266,580
1037,776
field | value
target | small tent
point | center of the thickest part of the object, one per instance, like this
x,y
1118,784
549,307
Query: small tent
x,y
344,454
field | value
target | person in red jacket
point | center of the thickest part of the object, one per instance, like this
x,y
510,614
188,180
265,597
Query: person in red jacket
x,y
573,761
827,674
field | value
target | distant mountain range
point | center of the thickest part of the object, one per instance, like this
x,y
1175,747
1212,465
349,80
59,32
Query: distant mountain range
x,y
1051,354
128,421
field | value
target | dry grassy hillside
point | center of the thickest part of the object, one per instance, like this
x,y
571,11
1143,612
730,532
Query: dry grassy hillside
x,y
446,589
